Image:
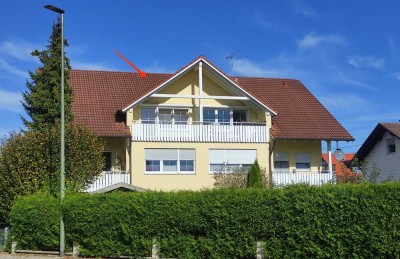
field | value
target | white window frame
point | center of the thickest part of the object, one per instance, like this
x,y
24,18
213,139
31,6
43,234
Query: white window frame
x,y
225,163
178,160
157,114
230,109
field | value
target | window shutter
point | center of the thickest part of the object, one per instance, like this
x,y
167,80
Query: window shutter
x,y
187,154
302,157
161,154
281,156
240,156
216,156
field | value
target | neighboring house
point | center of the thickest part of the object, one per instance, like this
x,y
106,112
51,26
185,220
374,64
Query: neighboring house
x,y
342,169
173,131
381,149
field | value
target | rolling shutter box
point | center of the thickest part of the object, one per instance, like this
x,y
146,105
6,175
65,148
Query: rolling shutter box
x,y
232,156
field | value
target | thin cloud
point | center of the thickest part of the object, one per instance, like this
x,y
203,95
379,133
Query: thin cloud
x,y
396,75
367,61
313,40
246,67
264,24
352,79
394,50
4,65
20,50
302,9
10,101
98,66
341,101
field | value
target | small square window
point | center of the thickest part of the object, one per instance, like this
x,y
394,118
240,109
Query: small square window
x,y
153,165
169,166
391,146
186,165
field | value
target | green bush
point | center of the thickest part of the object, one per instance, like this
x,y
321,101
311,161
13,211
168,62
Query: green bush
x,y
254,177
343,221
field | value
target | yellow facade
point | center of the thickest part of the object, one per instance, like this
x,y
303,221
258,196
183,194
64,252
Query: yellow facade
x,y
202,177
119,150
291,147
188,85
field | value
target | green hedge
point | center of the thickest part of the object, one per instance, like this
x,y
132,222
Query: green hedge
x,y
360,221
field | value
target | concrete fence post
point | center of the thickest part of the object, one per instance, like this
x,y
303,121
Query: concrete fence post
x,y
75,250
13,247
154,249
259,251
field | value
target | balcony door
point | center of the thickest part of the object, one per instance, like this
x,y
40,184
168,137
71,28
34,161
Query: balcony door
x,y
164,115
224,116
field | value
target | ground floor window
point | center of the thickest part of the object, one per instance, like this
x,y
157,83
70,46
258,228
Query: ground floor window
x,y
229,160
169,161
303,162
281,162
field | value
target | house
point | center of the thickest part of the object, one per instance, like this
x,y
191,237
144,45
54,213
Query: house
x,y
381,150
342,169
173,131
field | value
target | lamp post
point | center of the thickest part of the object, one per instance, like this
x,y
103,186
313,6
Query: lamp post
x,y
62,174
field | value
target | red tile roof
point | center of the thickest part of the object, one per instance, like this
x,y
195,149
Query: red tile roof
x,y
300,114
98,95
339,166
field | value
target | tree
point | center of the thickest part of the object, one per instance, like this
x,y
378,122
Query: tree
x,y
30,162
42,100
254,177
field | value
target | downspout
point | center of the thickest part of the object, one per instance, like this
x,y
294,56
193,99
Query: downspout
x,y
201,91
271,150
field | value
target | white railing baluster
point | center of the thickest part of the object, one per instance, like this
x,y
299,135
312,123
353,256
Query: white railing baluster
x,y
219,133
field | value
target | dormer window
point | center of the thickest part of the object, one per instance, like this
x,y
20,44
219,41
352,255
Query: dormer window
x,y
391,146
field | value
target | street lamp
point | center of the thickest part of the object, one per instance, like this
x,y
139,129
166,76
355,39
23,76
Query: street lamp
x,y
62,174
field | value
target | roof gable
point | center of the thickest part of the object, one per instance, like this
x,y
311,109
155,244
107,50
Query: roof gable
x,y
213,72
375,136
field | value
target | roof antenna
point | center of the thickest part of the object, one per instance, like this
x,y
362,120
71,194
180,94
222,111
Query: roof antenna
x,y
230,58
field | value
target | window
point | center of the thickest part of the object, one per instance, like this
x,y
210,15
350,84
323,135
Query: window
x,y
169,161
224,116
164,115
239,116
186,165
153,165
229,160
107,161
391,145
281,161
148,115
303,161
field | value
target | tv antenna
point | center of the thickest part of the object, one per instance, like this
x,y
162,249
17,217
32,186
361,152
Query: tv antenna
x,y
230,58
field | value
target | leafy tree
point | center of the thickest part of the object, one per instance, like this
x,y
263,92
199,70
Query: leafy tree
x,y
254,177
42,100
30,162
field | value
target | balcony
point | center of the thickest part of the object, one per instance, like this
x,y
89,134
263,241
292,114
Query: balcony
x,y
281,178
201,132
107,178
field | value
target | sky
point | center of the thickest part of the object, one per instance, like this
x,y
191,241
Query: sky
x,y
347,53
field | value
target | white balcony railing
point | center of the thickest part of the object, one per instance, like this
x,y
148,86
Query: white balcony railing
x,y
311,178
218,133
107,179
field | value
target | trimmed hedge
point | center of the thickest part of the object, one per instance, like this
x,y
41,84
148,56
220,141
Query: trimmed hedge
x,y
360,221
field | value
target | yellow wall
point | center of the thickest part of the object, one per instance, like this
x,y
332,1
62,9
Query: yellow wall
x,y
202,177
298,146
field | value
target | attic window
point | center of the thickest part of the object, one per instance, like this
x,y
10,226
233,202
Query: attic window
x,y
391,146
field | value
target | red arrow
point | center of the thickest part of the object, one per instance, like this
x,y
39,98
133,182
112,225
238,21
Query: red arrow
x,y
141,73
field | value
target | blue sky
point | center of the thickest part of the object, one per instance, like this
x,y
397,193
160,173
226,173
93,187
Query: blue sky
x,y
346,52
